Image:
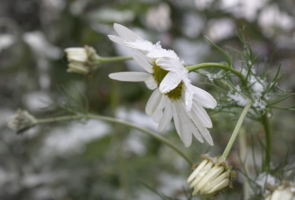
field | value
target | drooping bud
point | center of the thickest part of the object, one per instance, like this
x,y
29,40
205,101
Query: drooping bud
x,y
211,176
21,121
285,191
82,60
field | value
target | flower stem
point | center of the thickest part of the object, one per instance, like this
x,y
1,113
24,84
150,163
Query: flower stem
x,y
236,130
113,59
119,121
243,156
266,126
223,66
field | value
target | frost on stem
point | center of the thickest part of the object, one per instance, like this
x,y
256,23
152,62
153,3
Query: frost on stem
x,y
210,177
21,121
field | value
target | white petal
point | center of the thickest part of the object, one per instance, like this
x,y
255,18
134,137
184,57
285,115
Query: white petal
x,y
185,132
166,118
130,76
143,63
170,82
202,114
197,170
189,93
205,99
197,135
117,39
151,83
165,63
175,118
202,129
153,102
206,134
157,115
126,33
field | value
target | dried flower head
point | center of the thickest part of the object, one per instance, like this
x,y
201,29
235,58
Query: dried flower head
x,y
286,191
82,60
21,121
211,176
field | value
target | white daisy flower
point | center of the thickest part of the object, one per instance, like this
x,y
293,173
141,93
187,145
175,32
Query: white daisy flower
x,y
174,96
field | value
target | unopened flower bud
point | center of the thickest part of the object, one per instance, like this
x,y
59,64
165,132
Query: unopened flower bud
x,y
82,60
21,121
286,191
210,176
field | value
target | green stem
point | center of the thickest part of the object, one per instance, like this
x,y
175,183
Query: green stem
x,y
236,130
267,130
243,156
223,66
110,119
112,59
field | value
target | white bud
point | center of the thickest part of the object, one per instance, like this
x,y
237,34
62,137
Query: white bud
x,y
81,60
211,176
286,191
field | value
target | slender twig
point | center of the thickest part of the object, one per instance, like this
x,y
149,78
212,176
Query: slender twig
x,y
119,121
267,130
223,66
236,130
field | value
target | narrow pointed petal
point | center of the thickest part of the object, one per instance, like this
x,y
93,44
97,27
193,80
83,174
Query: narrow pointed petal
x,y
189,93
203,115
170,82
166,118
130,76
126,33
116,39
205,99
143,63
206,135
153,102
202,129
185,133
197,170
175,118
151,83
157,115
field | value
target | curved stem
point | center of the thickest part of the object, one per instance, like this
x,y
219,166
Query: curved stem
x,y
267,130
236,130
223,66
119,121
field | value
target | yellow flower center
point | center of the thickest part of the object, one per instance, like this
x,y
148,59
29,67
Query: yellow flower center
x,y
159,75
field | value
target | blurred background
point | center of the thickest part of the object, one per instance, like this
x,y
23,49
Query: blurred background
x,y
95,160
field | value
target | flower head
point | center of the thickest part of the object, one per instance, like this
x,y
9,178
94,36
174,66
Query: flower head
x,y
210,176
285,191
82,60
174,96
21,121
